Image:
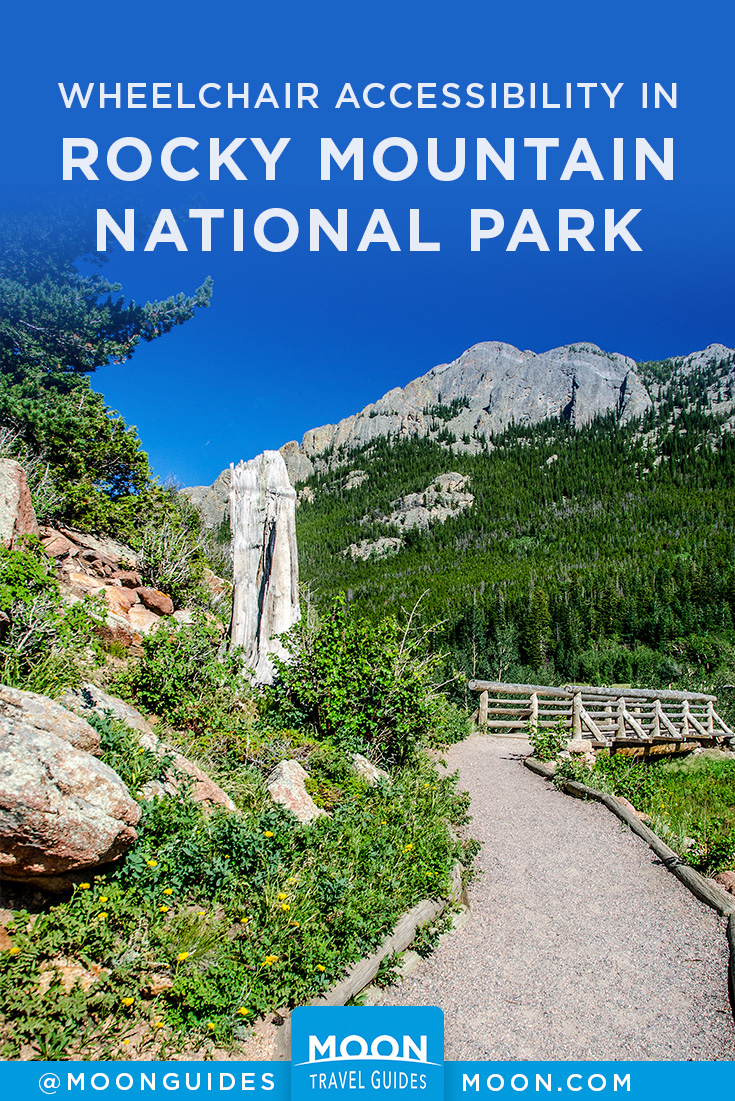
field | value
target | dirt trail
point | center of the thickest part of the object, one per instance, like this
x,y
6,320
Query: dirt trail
x,y
581,945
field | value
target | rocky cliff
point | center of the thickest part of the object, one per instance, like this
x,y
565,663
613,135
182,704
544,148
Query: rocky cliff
x,y
473,396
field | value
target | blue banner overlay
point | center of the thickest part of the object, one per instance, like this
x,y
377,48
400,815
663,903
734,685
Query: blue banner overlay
x,y
271,1081
369,1051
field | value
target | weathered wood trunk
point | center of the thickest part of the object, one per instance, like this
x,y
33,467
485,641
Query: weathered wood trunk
x,y
265,560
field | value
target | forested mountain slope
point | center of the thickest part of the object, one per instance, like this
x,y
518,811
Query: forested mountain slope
x,y
602,553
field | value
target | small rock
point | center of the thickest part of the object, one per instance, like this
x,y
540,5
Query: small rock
x,y
184,615
119,600
118,628
82,584
629,806
287,786
726,880
143,620
58,546
156,601
203,788
130,579
367,770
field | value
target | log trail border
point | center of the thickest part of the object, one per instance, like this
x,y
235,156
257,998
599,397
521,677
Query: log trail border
x,y
705,891
362,973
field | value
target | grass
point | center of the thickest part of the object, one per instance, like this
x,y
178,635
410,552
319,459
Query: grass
x,y
213,920
690,802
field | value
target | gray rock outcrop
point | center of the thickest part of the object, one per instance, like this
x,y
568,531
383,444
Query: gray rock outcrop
x,y
180,773
17,517
265,560
481,392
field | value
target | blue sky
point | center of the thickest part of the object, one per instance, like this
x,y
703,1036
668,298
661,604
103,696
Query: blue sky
x,y
297,339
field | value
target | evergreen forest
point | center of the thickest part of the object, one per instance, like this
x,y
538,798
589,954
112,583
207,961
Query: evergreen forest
x,y
603,553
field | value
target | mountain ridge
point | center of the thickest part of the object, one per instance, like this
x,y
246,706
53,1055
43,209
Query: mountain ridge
x,y
464,402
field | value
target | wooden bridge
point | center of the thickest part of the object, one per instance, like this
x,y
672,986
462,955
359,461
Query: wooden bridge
x,y
604,716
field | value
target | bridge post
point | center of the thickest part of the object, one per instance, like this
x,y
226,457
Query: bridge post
x,y
534,710
656,724
482,710
685,720
577,717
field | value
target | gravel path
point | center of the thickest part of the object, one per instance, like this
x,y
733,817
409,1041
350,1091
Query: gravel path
x,y
580,945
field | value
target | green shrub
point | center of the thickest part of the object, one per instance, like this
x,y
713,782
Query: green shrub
x,y
367,686
548,741
44,643
185,677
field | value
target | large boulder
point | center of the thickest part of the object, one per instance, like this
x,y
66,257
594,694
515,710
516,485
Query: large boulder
x,y
29,712
60,808
17,517
287,786
265,560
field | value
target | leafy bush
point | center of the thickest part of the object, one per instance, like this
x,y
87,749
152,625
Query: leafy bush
x,y
43,641
548,741
369,687
185,677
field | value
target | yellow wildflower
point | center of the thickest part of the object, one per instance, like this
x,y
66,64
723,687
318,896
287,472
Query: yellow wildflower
x,y
210,1025
126,1041
268,833
103,898
291,881
163,909
243,1011
285,906
244,920
127,1001
152,863
407,848
168,890
84,886
320,967
269,960
282,896
182,956
103,916
14,951
201,913
158,1024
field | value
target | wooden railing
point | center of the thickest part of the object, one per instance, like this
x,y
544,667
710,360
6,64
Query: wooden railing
x,y
606,716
